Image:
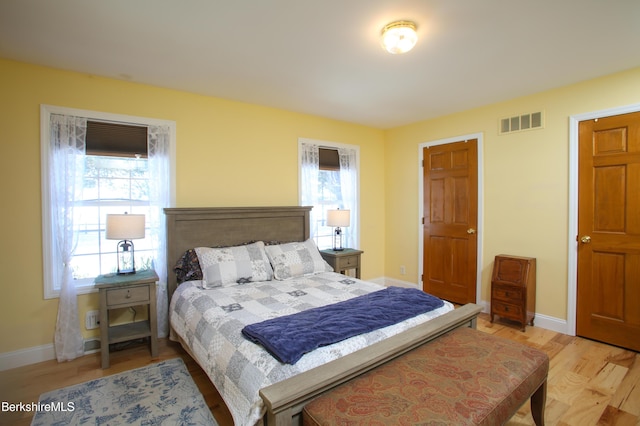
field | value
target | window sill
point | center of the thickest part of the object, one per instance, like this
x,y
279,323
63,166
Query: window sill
x,y
84,288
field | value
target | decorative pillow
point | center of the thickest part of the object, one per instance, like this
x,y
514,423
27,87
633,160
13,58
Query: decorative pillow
x,y
188,267
231,265
296,259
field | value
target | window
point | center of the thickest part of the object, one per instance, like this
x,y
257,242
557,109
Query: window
x,y
121,164
330,196
328,181
115,182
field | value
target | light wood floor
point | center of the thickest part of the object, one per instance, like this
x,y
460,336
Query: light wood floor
x,y
589,383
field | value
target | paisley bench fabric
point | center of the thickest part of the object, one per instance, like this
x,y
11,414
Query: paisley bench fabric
x,y
465,377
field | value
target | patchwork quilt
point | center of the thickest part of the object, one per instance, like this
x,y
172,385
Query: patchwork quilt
x,y
210,322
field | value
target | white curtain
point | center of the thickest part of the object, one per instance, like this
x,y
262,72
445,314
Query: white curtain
x,y
309,170
349,190
159,198
66,165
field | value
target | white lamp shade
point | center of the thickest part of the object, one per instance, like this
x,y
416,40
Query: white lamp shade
x,y
125,226
338,218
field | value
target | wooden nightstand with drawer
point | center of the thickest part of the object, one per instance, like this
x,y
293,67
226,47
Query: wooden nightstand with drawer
x,y
122,291
513,289
342,260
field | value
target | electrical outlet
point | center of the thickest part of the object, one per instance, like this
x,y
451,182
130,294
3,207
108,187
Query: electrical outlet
x,y
92,320
403,270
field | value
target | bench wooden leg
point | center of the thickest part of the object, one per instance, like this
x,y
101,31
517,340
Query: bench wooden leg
x,y
538,402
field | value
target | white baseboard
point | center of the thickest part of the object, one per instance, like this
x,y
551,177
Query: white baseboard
x,y
486,306
551,323
543,321
387,282
28,356
22,357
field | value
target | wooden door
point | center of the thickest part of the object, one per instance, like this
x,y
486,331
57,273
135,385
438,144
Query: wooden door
x,y
450,220
608,291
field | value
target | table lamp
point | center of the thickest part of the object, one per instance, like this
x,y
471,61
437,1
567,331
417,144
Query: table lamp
x,y
125,227
338,218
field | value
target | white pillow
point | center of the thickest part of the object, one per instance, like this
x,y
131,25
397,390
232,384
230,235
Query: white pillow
x,y
230,265
296,259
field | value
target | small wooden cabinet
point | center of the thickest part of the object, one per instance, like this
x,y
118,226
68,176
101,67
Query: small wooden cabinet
x,y
122,291
513,289
343,260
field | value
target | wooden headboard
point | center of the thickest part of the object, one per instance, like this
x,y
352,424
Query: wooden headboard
x,y
227,226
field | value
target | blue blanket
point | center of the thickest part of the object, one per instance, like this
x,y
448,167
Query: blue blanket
x,y
289,337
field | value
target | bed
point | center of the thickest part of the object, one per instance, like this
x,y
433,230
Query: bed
x,y
264,389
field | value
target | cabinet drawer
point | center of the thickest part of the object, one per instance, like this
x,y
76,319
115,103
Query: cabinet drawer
x,y
506,310
507,293
348,262
121,296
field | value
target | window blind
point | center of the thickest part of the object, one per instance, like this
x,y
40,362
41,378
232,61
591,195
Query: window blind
x,y
116,139
329,159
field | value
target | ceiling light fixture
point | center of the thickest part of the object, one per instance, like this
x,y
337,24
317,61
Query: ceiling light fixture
x,y
399,37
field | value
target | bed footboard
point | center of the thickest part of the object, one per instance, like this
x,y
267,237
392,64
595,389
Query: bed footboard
x,y
284,400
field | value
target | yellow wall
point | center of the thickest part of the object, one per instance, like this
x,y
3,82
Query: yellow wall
x,y
228,154
526,182
525,176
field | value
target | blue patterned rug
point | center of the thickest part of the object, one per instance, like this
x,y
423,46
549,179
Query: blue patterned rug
x,y
162,393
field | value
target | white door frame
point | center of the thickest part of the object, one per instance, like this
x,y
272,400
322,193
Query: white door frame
x,y
479,233
572,264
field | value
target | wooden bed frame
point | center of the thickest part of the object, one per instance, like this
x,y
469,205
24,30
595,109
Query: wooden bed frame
x,y
226,226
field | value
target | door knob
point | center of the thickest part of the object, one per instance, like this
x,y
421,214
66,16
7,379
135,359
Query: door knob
x,y
471,231
585,239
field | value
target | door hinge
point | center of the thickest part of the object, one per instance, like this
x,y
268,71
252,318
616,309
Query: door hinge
x,y
423,220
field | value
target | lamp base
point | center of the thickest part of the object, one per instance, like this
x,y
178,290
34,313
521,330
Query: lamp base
x,y
126,258
337,240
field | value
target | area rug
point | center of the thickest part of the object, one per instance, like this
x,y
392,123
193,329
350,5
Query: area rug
x,y
162,393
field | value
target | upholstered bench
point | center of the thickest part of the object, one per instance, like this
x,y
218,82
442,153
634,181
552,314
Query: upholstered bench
x,y
465,377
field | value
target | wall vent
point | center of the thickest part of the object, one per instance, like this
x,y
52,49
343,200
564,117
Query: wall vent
x,y
91,346
521,123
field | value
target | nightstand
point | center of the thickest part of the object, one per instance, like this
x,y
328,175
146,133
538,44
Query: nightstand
x,y
123,291
343,260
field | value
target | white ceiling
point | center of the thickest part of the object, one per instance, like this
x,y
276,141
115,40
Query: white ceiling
x,y
323,57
